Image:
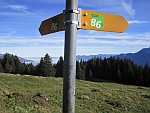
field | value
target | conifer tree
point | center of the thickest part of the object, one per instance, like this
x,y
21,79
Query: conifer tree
x,y
45,67
90,75
98,67
118,79
139,76
146,75
40,68
23,65
129,72
30,68
1,68
6,63
82,66
17,65
59,67
79,72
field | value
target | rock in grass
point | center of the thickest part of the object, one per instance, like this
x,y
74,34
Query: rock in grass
x,y
84,97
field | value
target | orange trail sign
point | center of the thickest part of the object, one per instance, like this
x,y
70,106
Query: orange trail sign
x,y
52,25
92,20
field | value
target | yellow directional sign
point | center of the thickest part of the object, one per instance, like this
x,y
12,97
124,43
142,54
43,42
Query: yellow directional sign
x,y
52,25
92,20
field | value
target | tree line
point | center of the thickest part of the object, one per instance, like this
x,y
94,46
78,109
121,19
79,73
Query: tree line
x,y
12,64
111,69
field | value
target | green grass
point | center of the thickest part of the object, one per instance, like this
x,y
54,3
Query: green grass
x,y
31,94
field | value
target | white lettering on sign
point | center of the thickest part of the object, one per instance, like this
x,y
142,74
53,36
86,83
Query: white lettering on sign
x,y
54,26
95,23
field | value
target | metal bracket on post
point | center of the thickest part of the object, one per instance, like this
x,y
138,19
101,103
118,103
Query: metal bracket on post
x,y
79,15
77,21
70,11
71,22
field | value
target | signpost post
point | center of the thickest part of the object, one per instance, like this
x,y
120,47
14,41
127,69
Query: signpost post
x,y
71,20
69,72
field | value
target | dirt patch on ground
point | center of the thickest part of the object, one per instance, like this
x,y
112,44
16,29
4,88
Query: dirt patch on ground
x,y
116,104
16,95
39,98
145,96
95,90
85,97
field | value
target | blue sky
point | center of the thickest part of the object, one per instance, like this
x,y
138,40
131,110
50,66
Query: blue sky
x,y
20,20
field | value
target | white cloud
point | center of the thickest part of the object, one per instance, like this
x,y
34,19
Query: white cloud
x,y
24,40
127,4
33,51
17,7
53,1
116,42
21,8
98,38
106,36
137,22
95,38
86,44
96,4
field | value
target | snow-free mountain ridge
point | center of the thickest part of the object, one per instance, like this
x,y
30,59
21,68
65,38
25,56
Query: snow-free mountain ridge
x,y
141,57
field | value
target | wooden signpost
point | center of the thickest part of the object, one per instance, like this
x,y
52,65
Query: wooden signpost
x,y
70,20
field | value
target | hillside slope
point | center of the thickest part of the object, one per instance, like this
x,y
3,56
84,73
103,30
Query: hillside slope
x,y
30,94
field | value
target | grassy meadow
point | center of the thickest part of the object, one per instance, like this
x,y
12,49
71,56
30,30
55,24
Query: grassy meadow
x,y
32,94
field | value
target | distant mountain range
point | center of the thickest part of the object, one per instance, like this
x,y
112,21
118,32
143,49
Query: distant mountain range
x,y
141,57
86,58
